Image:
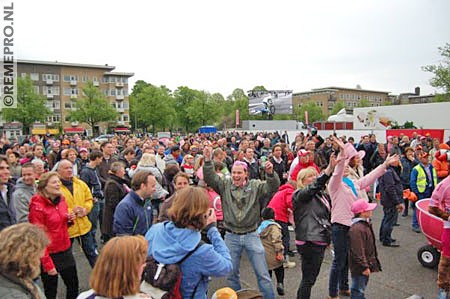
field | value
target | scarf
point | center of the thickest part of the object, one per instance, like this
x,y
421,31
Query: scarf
x,y
349,183
264,225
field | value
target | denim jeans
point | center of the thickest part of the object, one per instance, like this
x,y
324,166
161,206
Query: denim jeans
x,y
339,267
312,256
415,223
87,243
443,294
359,284
387,224
256,254
96,215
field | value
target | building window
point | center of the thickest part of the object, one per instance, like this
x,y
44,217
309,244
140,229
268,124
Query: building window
x,y
125,117
119,92
113,92
125,105
34,76
84,79
52,77
36,89
68,78
94,79
112,79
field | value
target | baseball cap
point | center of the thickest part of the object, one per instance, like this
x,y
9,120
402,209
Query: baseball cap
x,y
65,141
361,205
83,149
302,153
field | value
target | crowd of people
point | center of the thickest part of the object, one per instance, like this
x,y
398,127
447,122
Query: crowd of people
x,y
198,201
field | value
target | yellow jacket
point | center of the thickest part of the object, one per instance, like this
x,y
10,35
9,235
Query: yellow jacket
x,y
81,197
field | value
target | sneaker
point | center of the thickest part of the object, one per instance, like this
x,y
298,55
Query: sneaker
x,y
288,264
290,228
280,289
291,253
417,230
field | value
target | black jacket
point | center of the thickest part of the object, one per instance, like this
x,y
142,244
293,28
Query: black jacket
x,y
7,210
391,188
114,192
312,212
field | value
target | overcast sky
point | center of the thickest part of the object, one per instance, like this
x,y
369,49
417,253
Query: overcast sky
x,y
218,46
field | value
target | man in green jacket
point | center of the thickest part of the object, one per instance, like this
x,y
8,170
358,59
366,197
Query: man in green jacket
x,y
242,204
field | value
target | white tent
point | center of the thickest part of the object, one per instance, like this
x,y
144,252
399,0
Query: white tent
x,y
341,116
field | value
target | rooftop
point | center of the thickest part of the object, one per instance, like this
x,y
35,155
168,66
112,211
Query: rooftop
x,y
57,63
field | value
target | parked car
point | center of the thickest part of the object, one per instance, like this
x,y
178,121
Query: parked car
x,y
103,138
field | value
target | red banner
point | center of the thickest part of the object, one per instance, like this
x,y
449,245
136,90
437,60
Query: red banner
x,y
433,133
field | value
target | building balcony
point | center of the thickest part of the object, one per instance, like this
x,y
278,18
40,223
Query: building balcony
x,y
73,82
96,83
119,84
120,97
121,110
73,96
50,96
74,123
120,122
49,82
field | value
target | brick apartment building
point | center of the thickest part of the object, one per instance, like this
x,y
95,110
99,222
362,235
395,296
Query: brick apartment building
x,y
328,96
62,84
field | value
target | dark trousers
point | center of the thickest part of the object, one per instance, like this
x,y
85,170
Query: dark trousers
x,y
70,278
87,243
279,274
387,224
285,238
339,267
312,256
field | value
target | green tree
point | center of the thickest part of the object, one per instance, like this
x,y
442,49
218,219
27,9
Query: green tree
x,y
184,97
93,108
31,106
441,72
259,88
203,110
153,106
363,103
238,101
314,112
337,107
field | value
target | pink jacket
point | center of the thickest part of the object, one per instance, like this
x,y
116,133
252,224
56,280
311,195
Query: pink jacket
x,y
281,202
215,202
342,195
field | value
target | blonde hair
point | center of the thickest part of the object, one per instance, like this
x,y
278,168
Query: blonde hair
x,y
306,172
116,271
21,247
147,160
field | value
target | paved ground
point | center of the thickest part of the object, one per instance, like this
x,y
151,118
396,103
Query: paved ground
x,y
402,274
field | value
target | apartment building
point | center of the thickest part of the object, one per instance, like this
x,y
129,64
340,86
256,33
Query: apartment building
x,y
62,84
327,97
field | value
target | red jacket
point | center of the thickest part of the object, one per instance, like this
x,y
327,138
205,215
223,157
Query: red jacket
x,y
53,220
281,202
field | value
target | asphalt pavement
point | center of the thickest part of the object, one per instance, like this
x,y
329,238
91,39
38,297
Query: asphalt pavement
x,y
402,275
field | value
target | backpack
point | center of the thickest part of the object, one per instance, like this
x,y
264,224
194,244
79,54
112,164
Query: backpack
x,y
163,281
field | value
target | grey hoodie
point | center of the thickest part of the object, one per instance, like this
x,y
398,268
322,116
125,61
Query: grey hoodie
x,y
21,196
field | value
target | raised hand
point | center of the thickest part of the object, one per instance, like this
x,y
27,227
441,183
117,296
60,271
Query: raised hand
x,y
207,153
269,167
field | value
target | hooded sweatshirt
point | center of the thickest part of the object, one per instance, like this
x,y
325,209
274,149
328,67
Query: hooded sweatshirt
x,y
22,195
281,202
168,244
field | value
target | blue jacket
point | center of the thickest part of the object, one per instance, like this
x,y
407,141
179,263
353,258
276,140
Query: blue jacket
x,y
391,188
406,173
132,216
168,244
